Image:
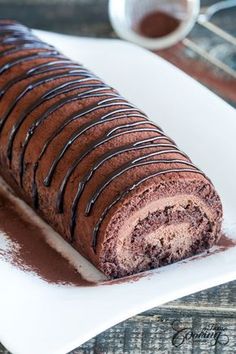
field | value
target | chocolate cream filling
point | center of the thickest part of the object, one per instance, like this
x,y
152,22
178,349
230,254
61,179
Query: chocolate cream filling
x,y
160,232
105,177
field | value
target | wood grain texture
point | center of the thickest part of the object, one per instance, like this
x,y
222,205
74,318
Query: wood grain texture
x,y
90,18
150,332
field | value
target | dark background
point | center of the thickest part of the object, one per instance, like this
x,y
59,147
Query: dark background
x,y
90,18
81,17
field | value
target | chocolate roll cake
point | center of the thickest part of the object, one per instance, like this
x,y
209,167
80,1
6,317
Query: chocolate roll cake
x,y
93,165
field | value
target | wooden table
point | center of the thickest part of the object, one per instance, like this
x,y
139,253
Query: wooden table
x,y
213,309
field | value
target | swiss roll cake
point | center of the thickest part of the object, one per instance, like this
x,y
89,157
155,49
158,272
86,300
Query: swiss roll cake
x,y
93,165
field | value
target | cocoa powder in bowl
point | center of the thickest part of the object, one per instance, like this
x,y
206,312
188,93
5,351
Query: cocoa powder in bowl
x,y
157,24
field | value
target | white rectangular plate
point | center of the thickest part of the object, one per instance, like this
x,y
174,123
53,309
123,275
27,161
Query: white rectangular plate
x,y
36,317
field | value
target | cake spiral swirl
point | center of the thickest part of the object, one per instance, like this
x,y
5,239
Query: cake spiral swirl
x,y
93,165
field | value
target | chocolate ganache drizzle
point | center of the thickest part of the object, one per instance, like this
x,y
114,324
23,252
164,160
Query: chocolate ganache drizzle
x,y
76,83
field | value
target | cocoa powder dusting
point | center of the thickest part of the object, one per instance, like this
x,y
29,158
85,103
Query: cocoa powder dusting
x,y
129,279
157,24
32,252
225,242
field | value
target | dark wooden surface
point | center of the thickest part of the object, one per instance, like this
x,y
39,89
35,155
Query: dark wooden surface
x,y
90,18
151,332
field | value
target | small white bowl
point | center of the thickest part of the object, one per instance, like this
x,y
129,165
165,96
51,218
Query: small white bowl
x,y
125,13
